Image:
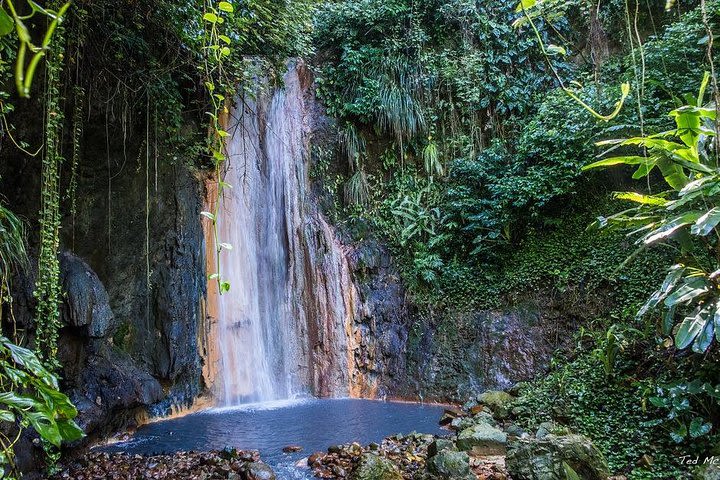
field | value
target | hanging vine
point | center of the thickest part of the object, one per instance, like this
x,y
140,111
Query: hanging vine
x,y
216,49
47,288
77,133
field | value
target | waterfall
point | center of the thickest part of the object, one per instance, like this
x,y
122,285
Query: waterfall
x,y
285,327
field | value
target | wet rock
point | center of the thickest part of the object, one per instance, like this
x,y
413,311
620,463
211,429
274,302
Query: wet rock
x,y
292,448
482,439
449,415
500,402
338,471
374,467
451,465
257,471
86,304
549,457
515,431
440,444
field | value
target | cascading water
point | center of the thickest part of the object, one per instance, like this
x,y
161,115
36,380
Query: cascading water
x,y
286,326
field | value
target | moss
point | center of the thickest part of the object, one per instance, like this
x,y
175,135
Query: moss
x,y
613,412
121,337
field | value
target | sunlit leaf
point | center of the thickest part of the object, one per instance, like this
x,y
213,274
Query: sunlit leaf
x,y
690,328
707,223
7,24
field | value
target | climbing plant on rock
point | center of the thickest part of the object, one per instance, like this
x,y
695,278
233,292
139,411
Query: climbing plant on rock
x,y
47,288
216,48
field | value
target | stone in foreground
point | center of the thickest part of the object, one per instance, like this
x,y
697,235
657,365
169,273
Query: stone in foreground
x,y
482,439
258,471
374,467
451,464
548,458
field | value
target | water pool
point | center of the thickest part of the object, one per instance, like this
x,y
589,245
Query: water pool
x,y
268,427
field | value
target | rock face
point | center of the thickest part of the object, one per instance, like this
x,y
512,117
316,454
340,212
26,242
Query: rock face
x,y
134,284
549,457
103,381
374,467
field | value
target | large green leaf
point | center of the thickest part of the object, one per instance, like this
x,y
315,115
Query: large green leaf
x,y
622,160
707,223
45,426
12,399
671,226
703,341
640,198
7,24
671,279
690,290
31,362
691,327
672,173
69,430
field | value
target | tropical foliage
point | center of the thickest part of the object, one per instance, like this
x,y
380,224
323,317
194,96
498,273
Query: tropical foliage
x,y
687,215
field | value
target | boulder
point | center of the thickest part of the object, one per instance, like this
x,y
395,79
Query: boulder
x,y
440,444
549,457
500,402
463,423
482,439
513,430
450,414
87,304
257,471
374,467
451,464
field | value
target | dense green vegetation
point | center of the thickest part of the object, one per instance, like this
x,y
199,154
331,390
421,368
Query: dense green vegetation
x,y
467,159
463,128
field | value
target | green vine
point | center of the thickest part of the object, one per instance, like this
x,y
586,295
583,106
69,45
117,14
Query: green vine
x,y
47,288
77,133
216,49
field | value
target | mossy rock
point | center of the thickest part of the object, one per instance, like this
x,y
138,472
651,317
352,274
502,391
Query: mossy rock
x,y
450,464
500,402
374,467
707,472
440,444
482,439
550,458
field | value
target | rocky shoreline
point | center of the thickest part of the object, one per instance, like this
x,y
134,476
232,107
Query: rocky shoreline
x,y
482,443
227,464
